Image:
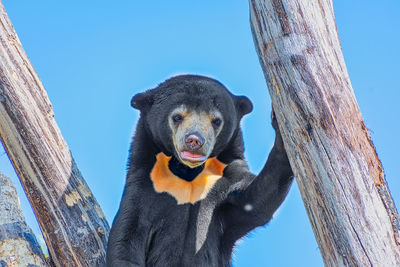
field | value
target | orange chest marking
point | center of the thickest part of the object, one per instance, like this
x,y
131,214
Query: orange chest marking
x,y
183,191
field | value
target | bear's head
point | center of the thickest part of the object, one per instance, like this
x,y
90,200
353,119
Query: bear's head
x,y
191,117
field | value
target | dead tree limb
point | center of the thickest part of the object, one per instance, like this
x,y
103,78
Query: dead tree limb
x,y
334,160
71,220
18,244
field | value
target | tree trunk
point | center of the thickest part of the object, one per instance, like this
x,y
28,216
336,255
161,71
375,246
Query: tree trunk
x,y
334,160
71,220
18,244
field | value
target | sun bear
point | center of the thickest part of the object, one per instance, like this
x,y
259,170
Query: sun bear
x,y
189,195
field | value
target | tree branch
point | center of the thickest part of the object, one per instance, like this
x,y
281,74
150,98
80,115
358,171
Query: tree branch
x,y
71,220
340,176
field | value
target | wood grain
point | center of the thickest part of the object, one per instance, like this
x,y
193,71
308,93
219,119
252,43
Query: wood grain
x,y
71,220
338,171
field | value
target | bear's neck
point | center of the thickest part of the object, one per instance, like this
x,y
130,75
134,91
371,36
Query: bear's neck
x,y
182,171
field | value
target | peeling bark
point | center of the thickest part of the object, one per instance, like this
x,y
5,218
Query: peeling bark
x,y
71,220
335,163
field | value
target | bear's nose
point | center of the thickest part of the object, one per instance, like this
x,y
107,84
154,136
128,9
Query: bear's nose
x,y
194,141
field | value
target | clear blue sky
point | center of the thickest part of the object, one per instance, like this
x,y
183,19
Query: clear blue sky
x,y
93,57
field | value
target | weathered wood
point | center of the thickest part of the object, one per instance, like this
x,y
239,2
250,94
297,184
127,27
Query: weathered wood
x,y
334,160
18,244
71,220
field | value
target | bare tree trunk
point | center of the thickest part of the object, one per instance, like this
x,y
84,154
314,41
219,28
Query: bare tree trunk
x,y
71,220
334,160
18,244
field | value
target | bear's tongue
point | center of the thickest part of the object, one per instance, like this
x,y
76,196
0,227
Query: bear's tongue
x,y
191,155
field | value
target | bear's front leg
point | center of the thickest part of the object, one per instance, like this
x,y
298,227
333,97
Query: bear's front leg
x,y
128,236
255,205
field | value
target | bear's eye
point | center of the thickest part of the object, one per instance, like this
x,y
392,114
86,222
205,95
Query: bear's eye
x,y
177,118
216,122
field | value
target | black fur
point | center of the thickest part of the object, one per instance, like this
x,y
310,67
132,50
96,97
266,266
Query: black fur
x,y
183,171
150,228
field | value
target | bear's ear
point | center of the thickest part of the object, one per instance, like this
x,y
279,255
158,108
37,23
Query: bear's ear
x,y
142,101
243,105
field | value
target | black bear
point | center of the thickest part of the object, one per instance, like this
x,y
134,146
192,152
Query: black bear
x,y
189,195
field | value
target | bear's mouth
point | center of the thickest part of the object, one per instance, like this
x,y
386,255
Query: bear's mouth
x,y
192,156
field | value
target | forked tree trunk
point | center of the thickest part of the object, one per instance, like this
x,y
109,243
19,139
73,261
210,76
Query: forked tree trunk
x,y
71,220
334,160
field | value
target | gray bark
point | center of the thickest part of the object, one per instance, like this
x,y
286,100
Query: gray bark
x,y
71,220
339,174
18,244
